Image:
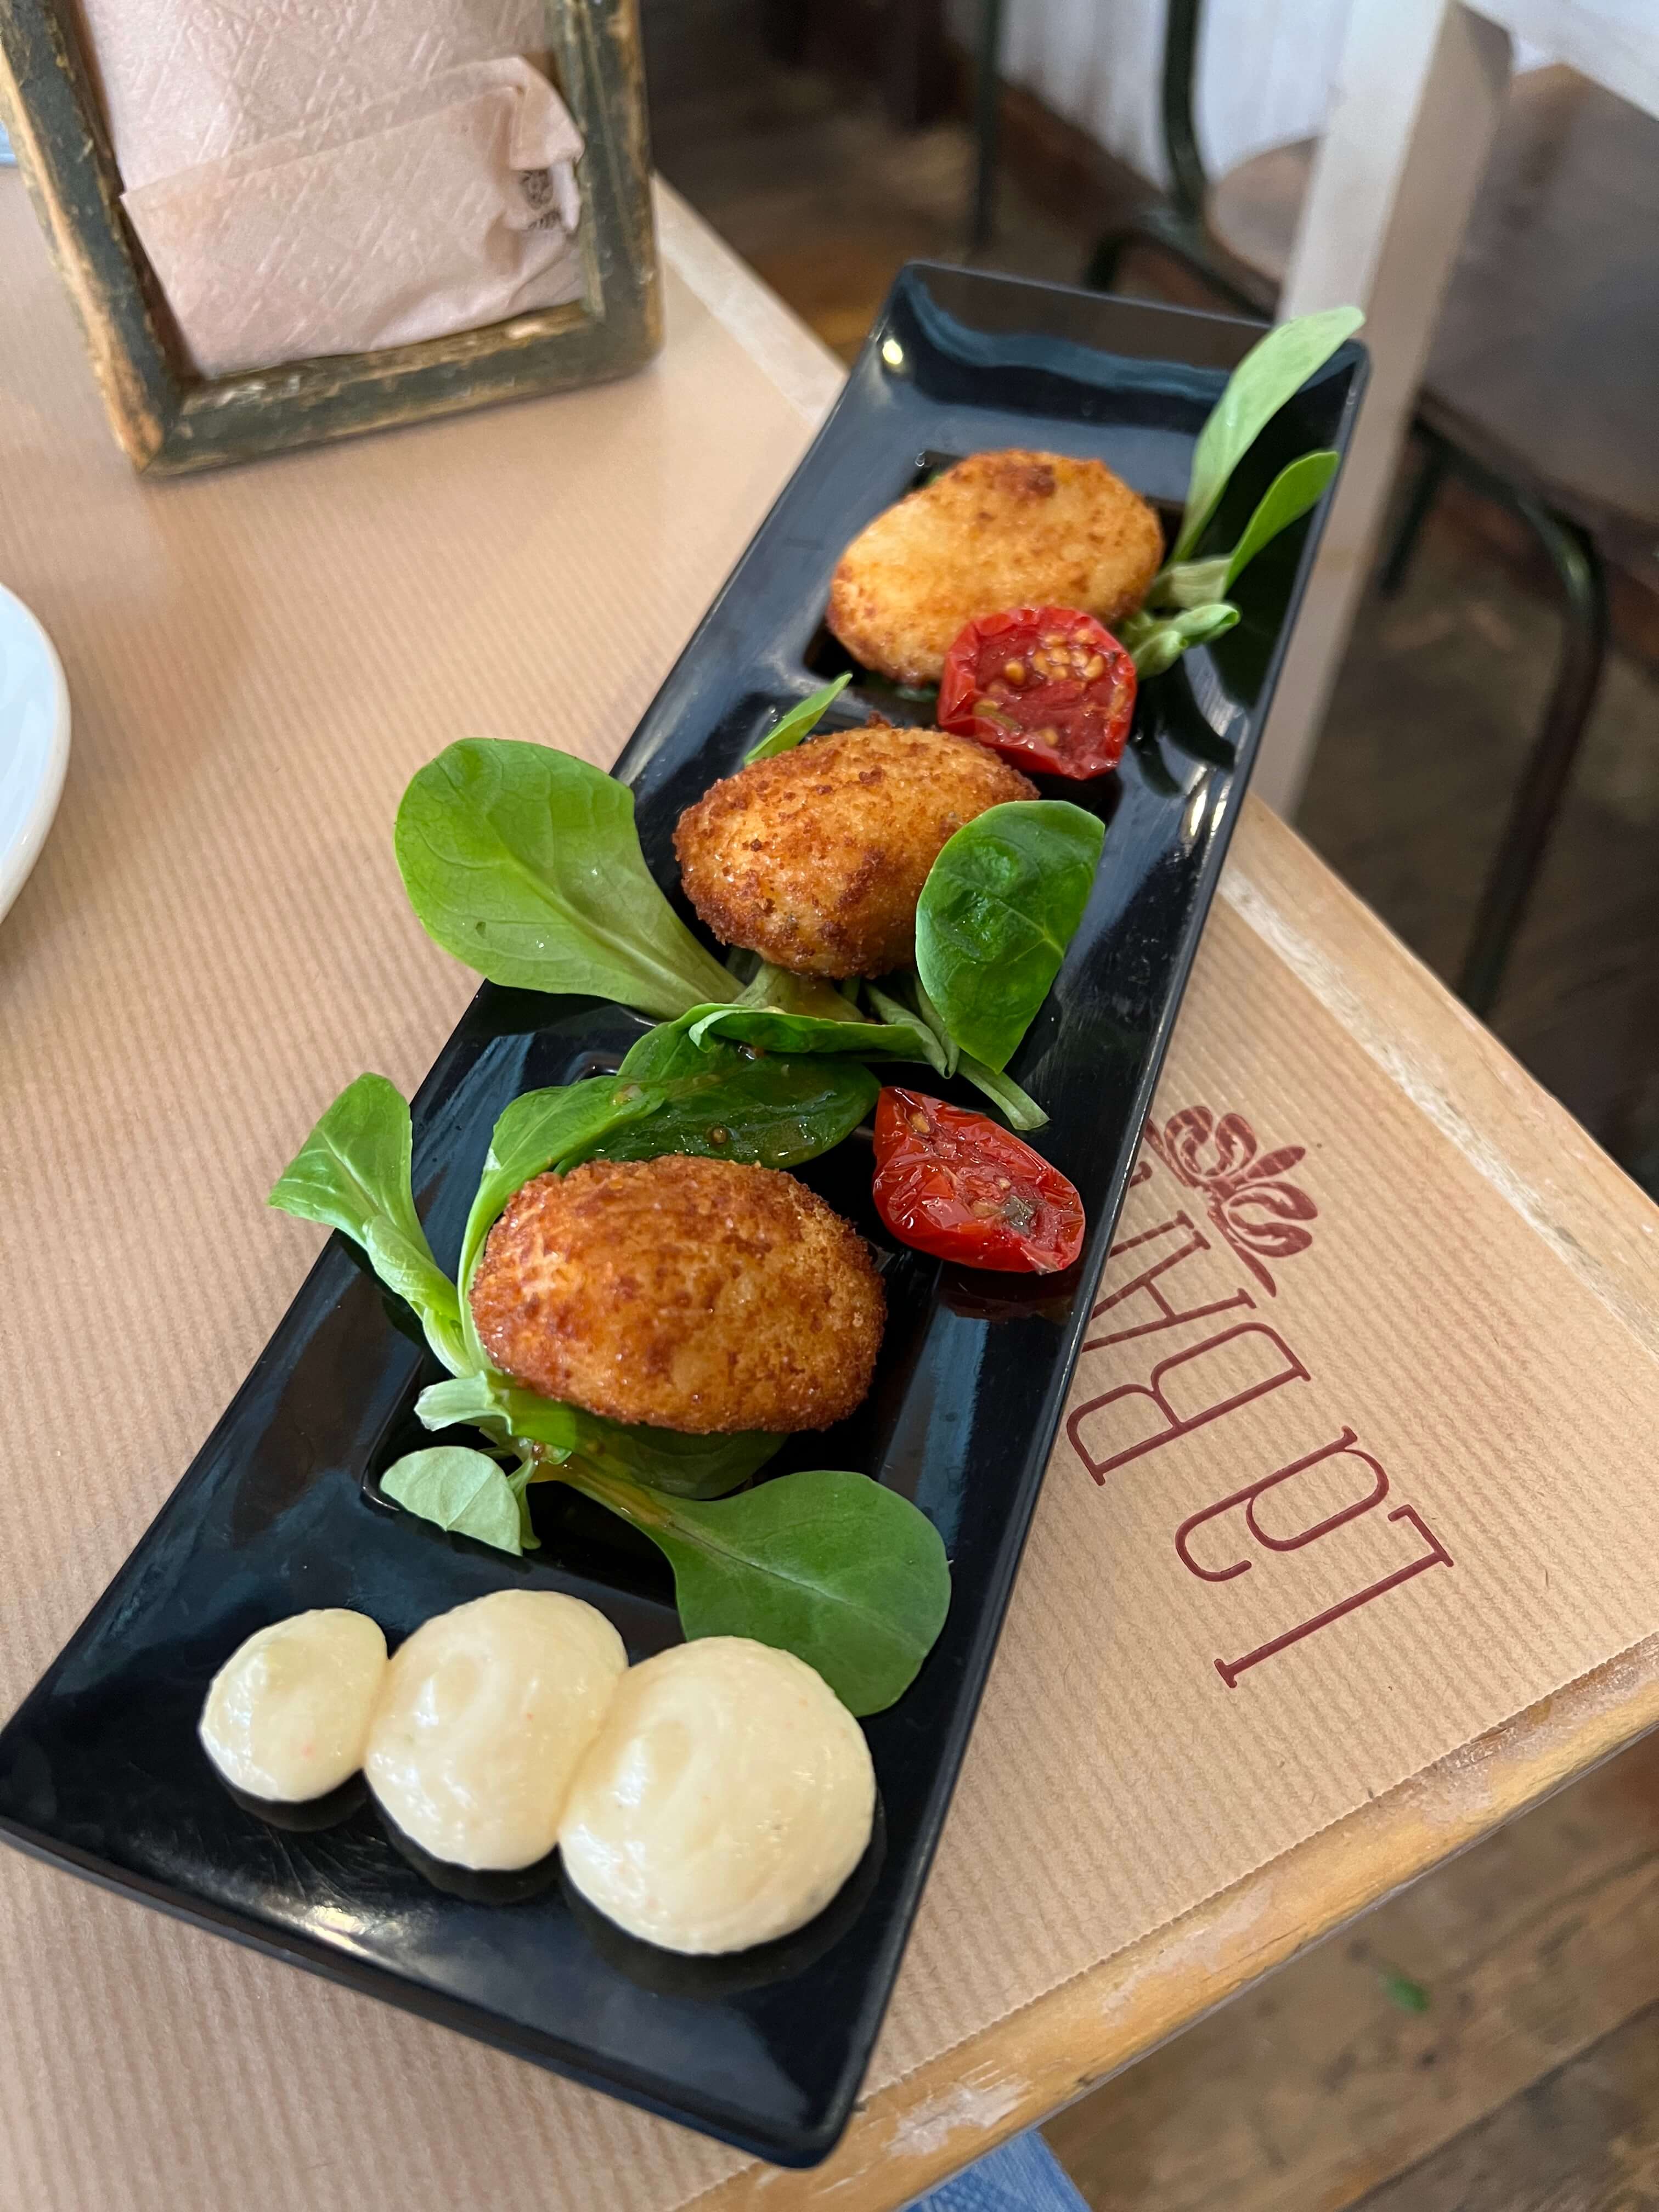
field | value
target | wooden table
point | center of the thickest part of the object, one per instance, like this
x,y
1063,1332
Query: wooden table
x,y
1420,88
215,940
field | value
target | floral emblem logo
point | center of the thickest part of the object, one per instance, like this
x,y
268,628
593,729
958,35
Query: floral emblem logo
x,y
1243,1189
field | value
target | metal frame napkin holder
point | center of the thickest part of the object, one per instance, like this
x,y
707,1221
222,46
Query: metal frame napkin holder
x,y
170,420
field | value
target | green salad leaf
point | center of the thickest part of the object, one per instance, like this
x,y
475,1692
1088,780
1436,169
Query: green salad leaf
x,y
666,1052
682,1466
1020,1110
486,1400
799,722
353,1173
848,1575
1001,903
731,1105
461,1490
806,1015
525,863
1299,487
782,1013
1272,371
1156,641
908,993
1295,491
900,1000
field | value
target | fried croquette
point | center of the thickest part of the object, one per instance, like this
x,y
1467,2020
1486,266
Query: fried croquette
x,y
698,1295
815,858
999,530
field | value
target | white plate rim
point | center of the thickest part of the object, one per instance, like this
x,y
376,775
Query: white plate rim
x,y
21,855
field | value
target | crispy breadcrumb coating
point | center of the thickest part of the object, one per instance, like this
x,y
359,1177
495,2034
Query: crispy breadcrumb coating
x,y
999,530
699,1295
816,858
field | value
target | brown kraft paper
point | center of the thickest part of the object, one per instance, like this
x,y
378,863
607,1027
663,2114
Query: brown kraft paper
x,y
1358,1459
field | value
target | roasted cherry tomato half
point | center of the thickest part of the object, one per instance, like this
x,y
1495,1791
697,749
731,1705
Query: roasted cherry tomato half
x,y
959,1186
1047,687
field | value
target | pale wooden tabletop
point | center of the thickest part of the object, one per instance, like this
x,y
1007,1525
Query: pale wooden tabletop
x,y
215,939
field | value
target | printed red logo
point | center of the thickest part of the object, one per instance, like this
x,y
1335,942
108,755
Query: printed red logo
x,y
1171,1383
1243,1189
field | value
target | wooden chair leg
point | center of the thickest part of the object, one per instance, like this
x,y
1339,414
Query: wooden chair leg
x,y
1549,766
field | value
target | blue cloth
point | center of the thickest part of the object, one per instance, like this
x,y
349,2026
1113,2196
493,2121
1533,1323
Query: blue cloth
x,y
1022,2176
5,147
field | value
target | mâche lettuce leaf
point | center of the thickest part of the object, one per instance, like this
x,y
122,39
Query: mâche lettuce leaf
x,y
1001,903
525,863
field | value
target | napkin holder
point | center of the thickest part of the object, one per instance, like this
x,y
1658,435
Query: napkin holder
x,y
170,420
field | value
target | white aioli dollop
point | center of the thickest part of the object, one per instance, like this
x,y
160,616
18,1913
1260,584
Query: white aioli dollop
x,y
287,1714
725,1800
487,1710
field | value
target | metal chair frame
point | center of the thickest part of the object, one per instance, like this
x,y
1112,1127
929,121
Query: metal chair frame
x,y
1175,225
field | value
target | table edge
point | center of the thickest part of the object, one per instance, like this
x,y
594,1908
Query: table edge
x,y
1022,2069
787,353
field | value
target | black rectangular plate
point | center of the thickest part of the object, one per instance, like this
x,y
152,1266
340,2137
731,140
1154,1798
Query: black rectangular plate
x,y
100,1770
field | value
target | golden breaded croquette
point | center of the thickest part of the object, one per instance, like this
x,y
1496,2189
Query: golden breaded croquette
x,y
815,858
698,1295
999,530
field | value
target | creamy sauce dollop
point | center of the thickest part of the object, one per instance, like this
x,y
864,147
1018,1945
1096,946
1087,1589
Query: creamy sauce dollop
x,y
486,1712
725,1800
287,1715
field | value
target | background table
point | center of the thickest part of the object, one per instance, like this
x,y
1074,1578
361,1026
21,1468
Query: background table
x,y
216,940
1420,86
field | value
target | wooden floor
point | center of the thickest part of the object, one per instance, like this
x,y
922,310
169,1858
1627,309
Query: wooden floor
x,y
1488,2041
